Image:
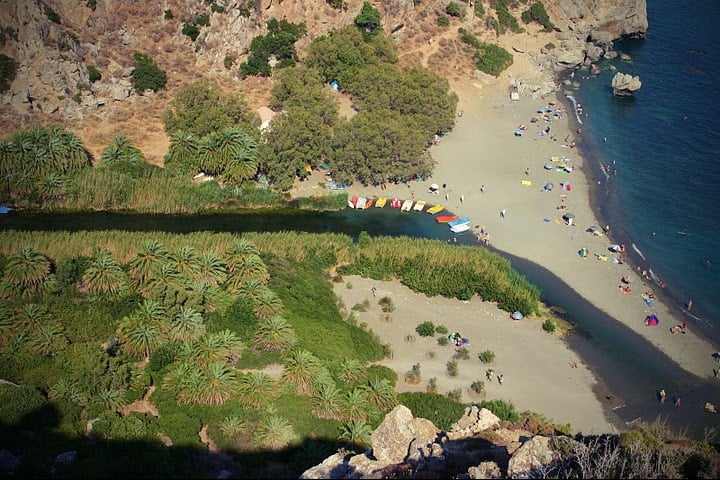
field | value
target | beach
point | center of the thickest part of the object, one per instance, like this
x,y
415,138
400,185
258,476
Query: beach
x,y
483,168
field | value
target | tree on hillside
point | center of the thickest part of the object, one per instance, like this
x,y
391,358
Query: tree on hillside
x,y
182,153
369,19
301,88
147,75
121,149
230,153
200,108
342,54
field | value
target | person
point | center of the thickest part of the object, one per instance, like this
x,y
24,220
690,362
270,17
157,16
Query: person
x,y
678,399
373,290
502,213
482,188
462,198
527,171
500,378
689,305
662,395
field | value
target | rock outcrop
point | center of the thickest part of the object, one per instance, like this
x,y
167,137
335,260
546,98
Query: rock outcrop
x,y
624,84
475,447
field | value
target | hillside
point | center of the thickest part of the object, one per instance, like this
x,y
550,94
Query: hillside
x,y
54,41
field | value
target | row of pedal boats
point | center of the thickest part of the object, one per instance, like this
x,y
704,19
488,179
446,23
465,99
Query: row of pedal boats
x,y
457,224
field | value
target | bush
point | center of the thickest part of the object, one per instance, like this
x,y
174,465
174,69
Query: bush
x,y
52,15
453,9
488,356
93,73
91,4
455,394
147,75
461,353
426,329
443,21
505,410
549,46
479,9
439,409
452,368
549,326
443,341
215,8
537,13
478,386
228,62
386,304
168,14
413,375
432,385
190,30
19,405
8,70
441,329
492,59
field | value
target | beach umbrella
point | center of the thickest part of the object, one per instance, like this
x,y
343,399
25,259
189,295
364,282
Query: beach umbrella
x,y
593,229
434,186
569,215
517,315
548,166
652,320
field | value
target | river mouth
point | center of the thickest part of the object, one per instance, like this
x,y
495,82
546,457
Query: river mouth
x,y
629,367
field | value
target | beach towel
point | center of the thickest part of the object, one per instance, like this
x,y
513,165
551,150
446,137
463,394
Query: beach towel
x,y
525,182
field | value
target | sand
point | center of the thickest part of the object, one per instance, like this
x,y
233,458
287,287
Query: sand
x,y
482,150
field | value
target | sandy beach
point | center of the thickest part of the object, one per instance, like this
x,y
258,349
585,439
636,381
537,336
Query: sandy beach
x,y
483,169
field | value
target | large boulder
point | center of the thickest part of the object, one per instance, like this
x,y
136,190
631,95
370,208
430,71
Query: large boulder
x,y
532,458
624,84
392,439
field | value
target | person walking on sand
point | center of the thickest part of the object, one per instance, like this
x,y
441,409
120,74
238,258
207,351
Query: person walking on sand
x,y
502,213
462,198
500,378
373,290
482,188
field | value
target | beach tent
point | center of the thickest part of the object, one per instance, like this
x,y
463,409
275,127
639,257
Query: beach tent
x,y
548,166
652,320
569,218
335,85
4,209
516,315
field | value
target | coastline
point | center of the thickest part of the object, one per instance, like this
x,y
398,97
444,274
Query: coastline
x,y
468,158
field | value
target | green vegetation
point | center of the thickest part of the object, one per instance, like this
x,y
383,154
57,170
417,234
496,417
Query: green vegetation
x,y
91,4
190,30
549,325
51,14
8,70
489,58
93,73
505,410
279,43
478,387
479,8
215,8
339,4
537,13
452,368
168,15
486,356
441,329
443,21
245,9
454,9
505,18
439,409
147,75
426,329
228,61
443,341
368,20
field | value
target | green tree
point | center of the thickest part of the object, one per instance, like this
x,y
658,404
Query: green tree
x,y
537,13
357,432
368,19
121,149
140,336
267,305
27,268
152,253
381,394
274,335
257,390
104,275
182,152
186,325
211,269
326,402
356,405
301,368
147,75
200,108
453,9
274,433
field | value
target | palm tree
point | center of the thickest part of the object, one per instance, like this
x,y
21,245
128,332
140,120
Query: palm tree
x,y
357,432
27,267
52,187
275,335
67,390
104,274
381,394
107,397
182,151
267,305
152,311
219,384
218,346
31,317
47,339
274,433
232,426
7,322
141,336
211,269
151,255
164,283
301,367
257,389
351,371
187,325
76,155
243,165
249,267
8,157
121,149
327,403
356,405
251,289
187,262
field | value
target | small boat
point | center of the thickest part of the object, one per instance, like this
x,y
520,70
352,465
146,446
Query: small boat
x,y
460,228
395,203
369,203
435,209
446,218
361,203
406,206
419,205
353,201
337,186
380,202
460,221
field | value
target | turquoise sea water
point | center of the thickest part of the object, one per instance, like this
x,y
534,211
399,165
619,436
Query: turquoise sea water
x,y
664,144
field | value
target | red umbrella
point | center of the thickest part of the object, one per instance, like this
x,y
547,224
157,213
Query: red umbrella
x,y
652,320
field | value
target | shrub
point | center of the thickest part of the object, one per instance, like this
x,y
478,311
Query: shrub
x,y
386,304
91,4
413,375
8,70
439,409
488,356
426,329
93,73
443,21
455,394
478,386
246,9
359,307
505,410
147,75
432,385
549,326
441,329
479,9
492,59
52,15
190,30
443,341
452,368
368,19
537,13
228,61
338,4
168,14
453,9
215,8
461,353
549,46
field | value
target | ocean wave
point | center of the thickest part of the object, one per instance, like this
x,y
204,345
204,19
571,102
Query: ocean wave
x,y
575,109
638,251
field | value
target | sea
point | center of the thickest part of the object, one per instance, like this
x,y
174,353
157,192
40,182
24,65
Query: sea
x,y
656,155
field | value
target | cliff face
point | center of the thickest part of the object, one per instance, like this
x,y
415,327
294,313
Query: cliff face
x,y
54,42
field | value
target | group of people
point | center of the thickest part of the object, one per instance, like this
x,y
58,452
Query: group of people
x,y
662,395
490,373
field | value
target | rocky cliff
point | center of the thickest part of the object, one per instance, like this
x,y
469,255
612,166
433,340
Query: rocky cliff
x,y
54,41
